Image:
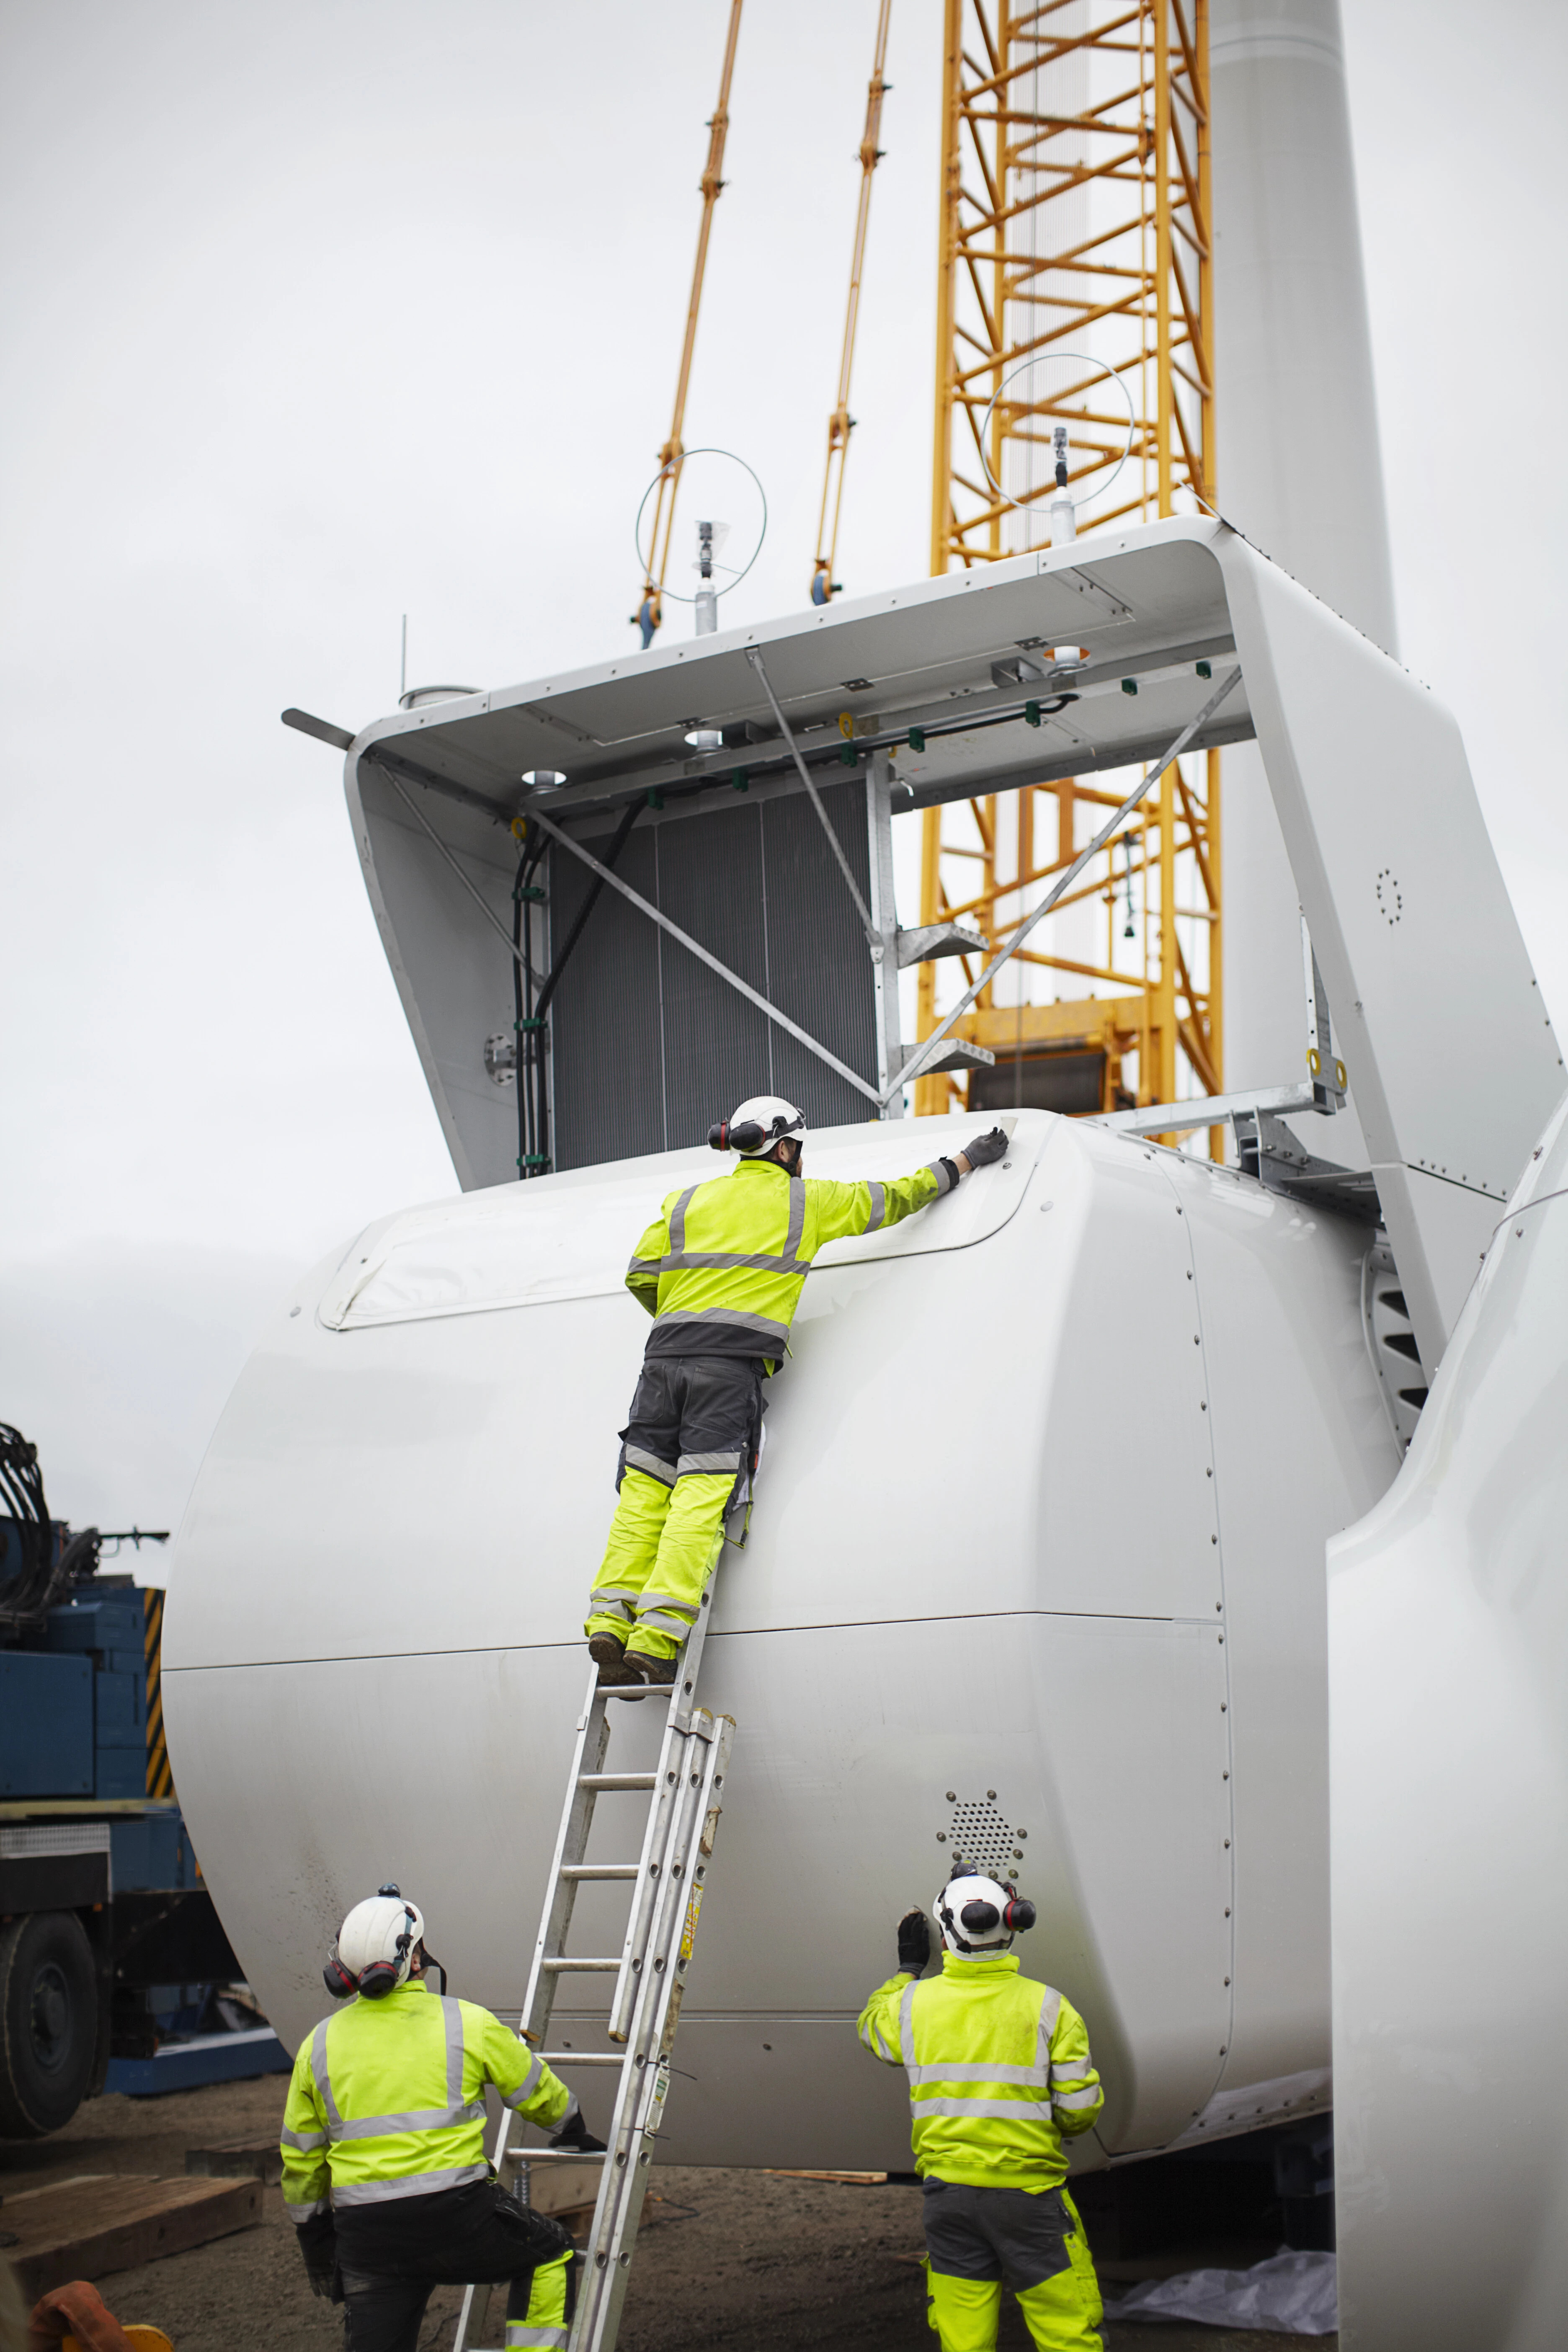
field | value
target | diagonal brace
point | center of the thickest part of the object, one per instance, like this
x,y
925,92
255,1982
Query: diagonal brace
x,y
920,1060
693,947
491,918
873,937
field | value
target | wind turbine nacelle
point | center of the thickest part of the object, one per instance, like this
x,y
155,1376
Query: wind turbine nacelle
x,y
1034,1576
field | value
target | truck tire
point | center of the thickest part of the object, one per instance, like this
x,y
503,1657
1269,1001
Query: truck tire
x,y
48,2022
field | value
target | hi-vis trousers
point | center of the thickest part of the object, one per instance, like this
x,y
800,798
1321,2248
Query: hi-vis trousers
x,y
688,1446
978,2240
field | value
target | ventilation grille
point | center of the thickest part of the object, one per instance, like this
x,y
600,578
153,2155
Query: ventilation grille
x,y
980,1835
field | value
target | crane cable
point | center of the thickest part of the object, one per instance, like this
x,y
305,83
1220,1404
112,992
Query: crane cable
x,y
648,614
840,424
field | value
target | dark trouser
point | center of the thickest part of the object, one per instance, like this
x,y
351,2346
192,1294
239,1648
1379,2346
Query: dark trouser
x,y
695,1428
392,2254
979,2240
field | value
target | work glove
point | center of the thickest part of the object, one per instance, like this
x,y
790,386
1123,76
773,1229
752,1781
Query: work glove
x,y
986,1147
915,1942
574,2133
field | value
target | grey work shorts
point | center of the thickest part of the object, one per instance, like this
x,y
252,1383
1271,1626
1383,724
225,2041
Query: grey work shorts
x,y
1017,2235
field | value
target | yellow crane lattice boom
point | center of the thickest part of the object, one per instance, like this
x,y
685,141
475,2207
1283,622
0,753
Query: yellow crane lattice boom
x,y
1074,296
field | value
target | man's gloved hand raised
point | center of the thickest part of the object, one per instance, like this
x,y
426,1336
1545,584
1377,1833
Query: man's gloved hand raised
x,y
986,1147
915,1942
574,2133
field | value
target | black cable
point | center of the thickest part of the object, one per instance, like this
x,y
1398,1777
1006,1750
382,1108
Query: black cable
x,y
629,817
529,1162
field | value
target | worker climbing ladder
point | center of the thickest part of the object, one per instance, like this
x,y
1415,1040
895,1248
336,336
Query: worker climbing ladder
x,y
666,1884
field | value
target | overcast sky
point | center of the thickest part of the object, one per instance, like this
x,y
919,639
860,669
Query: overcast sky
x,y
319,313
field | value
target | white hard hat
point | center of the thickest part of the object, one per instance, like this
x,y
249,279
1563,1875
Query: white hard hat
x,y
980,1916
769,1115
377,1944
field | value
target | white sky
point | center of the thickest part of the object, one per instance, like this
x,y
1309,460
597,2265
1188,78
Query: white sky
x,y
317,313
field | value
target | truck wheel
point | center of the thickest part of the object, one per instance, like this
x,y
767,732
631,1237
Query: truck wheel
x,y
48,2022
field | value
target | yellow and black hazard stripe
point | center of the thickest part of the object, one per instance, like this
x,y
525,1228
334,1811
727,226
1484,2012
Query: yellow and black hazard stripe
x,y
160,1779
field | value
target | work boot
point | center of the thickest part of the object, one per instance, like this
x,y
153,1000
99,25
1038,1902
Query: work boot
x,y
610,1656
658,1671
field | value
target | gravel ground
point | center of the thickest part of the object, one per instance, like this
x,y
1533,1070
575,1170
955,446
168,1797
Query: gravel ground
x,y
728,2261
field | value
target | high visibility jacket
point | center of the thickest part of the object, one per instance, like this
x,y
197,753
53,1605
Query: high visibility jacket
x,y
999,2070
386,2099
722,1267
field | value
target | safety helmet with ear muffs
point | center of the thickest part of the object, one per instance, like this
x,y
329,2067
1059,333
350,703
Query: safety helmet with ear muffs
x,y
375,1949
979,1916
759,1122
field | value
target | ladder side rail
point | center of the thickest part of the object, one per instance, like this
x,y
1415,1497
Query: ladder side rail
x,y
571,1845
588,1750
620,2183
683,1711
618,2214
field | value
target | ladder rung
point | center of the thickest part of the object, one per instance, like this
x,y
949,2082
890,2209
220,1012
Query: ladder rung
x,y
584,2057
577,1967
600,1869
550,2156
601,1782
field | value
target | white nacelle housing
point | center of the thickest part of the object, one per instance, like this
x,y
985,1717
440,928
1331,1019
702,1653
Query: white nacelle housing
x,y
1035,1573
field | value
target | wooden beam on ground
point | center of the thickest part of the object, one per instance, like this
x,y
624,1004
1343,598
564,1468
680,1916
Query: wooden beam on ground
x,y
238,2159
99,2222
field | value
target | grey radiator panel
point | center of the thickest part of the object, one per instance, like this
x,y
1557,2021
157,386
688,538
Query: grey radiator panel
x,y
648,1046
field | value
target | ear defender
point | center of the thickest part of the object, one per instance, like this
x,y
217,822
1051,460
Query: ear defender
x,y
1019,1915
719,1135
337,1979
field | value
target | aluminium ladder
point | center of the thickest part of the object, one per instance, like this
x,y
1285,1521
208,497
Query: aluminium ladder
x,y
667,1883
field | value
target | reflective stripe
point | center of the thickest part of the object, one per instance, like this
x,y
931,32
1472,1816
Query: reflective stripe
x,y
711,1463
517,2334
796,1218
323,2079
907,2022
650,1463
1050,2011
1012,2110
725,1262
300,2214
1069,2100
943,1180
608,1593
413,2184
878,1204
525,2089
678,1220
881,2046
414,2119
763,1323
955,2072
1078,2070
303,2141
644,1267
452,2011
599,1607
654,1621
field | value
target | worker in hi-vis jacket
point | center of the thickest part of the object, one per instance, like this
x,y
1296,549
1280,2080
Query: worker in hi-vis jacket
x,y
383,2141
719,1270
999,2072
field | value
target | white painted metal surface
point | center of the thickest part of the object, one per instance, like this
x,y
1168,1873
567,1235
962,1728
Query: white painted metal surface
x,y
1299,469
1452,1061
1450,1688
1069,1445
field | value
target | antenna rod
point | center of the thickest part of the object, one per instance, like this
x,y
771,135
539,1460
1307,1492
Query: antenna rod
x,y
403,665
